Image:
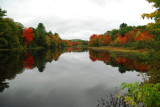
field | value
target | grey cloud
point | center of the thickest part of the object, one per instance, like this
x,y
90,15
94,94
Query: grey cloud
x,y
76,19
77,28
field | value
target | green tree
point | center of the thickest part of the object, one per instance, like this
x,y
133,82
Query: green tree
x,y
9,34
40,34
113,33
3,41
2,13
19,32
123,31
123,25
41,30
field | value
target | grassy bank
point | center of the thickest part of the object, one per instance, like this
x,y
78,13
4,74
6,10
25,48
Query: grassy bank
x,y
80,46
118,49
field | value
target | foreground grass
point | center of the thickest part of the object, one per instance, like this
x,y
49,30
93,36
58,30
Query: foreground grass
x,y
118,49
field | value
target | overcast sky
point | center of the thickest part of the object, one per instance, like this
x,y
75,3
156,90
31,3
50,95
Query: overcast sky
x,y
74,19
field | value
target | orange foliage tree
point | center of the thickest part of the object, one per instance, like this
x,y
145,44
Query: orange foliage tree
x,y
99,40
106,40
120,40
68,43
129,36
76,43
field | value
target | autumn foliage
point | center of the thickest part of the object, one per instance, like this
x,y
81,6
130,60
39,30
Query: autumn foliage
x,y
99,40
144,36
70,43
133,36
122,37
28,35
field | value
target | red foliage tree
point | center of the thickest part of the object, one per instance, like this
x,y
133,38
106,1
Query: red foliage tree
x,y
28,35
93,36
99,36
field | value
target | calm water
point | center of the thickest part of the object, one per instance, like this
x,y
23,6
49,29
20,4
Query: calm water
x,y
53,78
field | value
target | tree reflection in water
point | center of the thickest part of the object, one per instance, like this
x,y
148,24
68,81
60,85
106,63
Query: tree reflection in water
x,y
123,61
130,62
10,65
15,62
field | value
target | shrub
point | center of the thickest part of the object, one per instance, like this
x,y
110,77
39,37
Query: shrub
x,y
144,94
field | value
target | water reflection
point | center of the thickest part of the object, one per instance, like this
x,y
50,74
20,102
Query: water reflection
x,y
52,78
123,61
126,62
10,65
129,62
15,62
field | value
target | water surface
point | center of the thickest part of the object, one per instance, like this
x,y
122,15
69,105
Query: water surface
x,y
51,79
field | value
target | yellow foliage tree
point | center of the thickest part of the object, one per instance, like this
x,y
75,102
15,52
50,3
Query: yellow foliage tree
x,y
155,27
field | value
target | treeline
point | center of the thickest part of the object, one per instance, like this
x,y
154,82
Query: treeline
x,y
126,36
76,42
15,35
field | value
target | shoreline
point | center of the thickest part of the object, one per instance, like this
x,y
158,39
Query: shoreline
x,y
118,49
17,49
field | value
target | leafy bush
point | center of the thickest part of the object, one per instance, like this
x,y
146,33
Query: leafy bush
x,y
145,94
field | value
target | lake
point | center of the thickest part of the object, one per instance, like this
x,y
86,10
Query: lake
x,y
64,78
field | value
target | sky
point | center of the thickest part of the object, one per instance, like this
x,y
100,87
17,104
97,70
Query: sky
x,y
77,19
